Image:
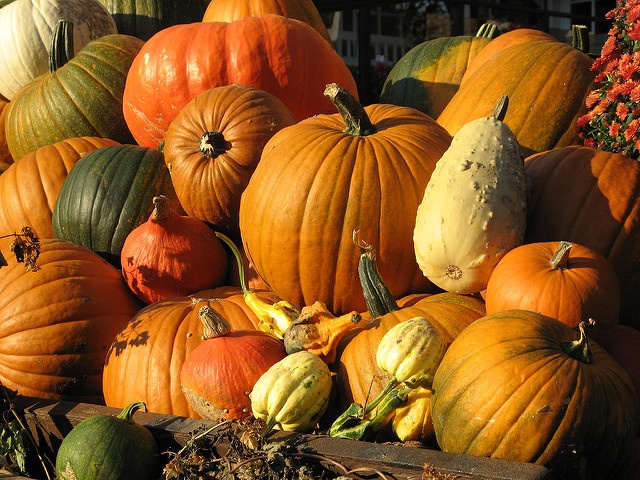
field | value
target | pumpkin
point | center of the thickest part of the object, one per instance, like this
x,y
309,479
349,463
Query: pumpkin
x,y
623,343
146,355
566,281
502,41
474,206
83,95
218,375
103,447
230,10
519,385
322,178
427,76
26,33
29,188
171,255
359,376
107,194
56,324
144,18
547,82
293,394
213,146
590,197
282,56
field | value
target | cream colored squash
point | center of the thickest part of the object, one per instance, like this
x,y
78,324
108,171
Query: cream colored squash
x,y
474,206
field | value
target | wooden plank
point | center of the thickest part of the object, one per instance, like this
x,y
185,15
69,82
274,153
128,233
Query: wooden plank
x,y
49,421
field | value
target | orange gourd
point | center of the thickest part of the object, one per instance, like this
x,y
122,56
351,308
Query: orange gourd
x,y
566,281
218,375
171,255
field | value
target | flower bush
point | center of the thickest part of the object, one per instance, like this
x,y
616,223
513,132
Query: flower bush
x,y
612,120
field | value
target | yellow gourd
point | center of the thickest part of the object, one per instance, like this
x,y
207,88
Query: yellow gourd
x,y
474,206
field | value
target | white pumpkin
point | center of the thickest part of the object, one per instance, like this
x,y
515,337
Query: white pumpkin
x,y
26,29
474,206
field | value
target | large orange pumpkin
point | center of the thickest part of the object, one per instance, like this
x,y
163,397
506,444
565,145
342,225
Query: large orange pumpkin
x,y
213,146
147,354
57,323
523,386
592,198
546,82
323,178
283,56
29,188
230,10
563,280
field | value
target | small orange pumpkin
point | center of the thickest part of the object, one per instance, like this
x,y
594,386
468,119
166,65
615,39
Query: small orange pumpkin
x,y
563,280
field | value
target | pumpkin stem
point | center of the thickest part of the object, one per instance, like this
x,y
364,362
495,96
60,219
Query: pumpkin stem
x,y
377,295
161,208
486,30
356,120
580,38
61,50
579,349
128,411
272,318
213,144
501,108
213,324
560,259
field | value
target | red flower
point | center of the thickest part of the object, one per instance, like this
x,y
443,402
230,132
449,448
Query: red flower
x,y
621,111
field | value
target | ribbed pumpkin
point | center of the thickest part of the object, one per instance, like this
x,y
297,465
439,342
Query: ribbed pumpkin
x,y
213,146
107,194
83,95
29,188
563,280
283,56
230,10
623,343
323,178
590,197
26,30
144,18
427,76
218,375
147,354
171,255
56,324
519,385
546,82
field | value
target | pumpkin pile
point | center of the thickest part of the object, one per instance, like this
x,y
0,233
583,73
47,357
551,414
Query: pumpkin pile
x,y
199,217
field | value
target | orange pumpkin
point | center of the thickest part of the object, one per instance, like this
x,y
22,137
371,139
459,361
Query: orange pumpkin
x,y
322,178
623,343
171,255
213,146
57,323
29,188
230,10
282,56
590,197
566,281
146,355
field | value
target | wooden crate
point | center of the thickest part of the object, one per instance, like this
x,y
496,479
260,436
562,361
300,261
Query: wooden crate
x,y
49,421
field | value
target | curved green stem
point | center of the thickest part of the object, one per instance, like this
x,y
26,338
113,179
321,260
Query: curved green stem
x,y
236,253
128,411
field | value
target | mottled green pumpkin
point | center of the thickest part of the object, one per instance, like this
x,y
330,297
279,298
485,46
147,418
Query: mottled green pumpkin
x,y
107,194
428,75
82,97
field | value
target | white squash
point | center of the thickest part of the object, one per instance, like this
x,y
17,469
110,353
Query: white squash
x,y
474,206
26,29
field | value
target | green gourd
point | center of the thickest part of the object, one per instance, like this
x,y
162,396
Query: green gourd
x,y
108,447
474,206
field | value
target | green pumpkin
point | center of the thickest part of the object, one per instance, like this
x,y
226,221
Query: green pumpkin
x,y
78,97
107,447
144,18
108,193
427,76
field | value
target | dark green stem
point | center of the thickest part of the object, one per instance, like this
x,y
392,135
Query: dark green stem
x,y
61,50
128,411
236,253
579,349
